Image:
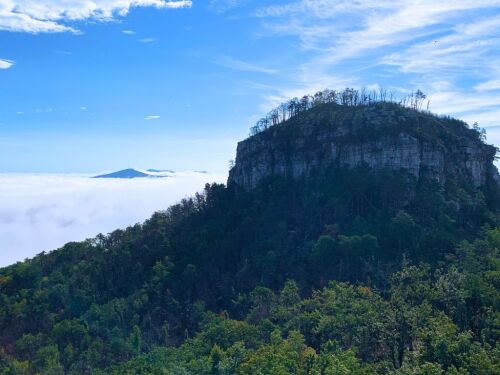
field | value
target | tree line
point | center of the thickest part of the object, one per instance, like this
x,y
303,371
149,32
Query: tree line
x,y
348,97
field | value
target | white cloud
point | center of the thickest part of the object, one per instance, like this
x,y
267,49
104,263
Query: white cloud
x,y
6,64
460,102
221,6
460,50
128,32
235,64
83,108
43,212
151,117
147,40
177,4
493,84
52,16
486,119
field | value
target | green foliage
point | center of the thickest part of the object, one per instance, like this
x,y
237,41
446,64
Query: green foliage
x,y
428,322
346,329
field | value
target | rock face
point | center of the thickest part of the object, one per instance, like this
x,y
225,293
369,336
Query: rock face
x,y
381,137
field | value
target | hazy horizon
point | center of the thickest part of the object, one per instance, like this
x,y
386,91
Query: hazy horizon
x,y
41,212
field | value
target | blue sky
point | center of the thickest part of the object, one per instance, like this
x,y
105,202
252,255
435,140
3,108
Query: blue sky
x,y
106,84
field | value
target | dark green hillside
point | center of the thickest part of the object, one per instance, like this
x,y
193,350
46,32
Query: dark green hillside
x,y
393,271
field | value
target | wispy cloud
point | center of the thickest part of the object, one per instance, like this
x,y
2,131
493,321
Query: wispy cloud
x,y
409,44
44,110
493,84
151,117
221,6
128,32
244,66
6,64
147,40
61,52
53,16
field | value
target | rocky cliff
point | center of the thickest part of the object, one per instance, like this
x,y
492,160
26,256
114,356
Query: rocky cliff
x,y
382,136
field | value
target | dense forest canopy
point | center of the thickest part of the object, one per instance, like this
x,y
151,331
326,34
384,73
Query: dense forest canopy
x,y
345,271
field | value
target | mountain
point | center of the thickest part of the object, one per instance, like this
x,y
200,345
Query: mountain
x,y
134,173
353,236
384,136
159,170
126,173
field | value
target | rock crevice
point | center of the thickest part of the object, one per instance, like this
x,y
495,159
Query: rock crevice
x,y
418,143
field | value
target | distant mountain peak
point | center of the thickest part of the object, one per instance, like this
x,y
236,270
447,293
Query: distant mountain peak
x,y
159,170
127,173
136,173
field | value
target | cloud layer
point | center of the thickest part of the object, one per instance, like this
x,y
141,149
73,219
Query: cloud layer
x,y
52,16
43,212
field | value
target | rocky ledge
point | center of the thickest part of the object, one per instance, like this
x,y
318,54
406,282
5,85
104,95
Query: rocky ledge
x,y
383,136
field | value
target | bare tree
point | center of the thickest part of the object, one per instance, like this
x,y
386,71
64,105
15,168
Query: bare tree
x,y
348,97
419,98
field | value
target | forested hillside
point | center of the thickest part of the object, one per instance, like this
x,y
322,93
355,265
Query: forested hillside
x,y
345,269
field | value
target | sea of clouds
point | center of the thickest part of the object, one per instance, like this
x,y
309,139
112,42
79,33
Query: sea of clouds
x,y
42,212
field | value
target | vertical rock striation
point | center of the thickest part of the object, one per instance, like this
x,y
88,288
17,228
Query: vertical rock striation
x,y
382,136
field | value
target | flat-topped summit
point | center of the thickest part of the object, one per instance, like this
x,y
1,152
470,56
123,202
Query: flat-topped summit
x,y
382,135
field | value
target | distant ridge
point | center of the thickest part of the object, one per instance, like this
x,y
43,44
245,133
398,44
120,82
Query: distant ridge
x,y
159,170
127,173
130,173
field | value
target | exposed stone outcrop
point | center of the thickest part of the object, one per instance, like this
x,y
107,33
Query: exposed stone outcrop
x,y
384,136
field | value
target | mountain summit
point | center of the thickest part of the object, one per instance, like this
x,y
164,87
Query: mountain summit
x,y
380,136
125,173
